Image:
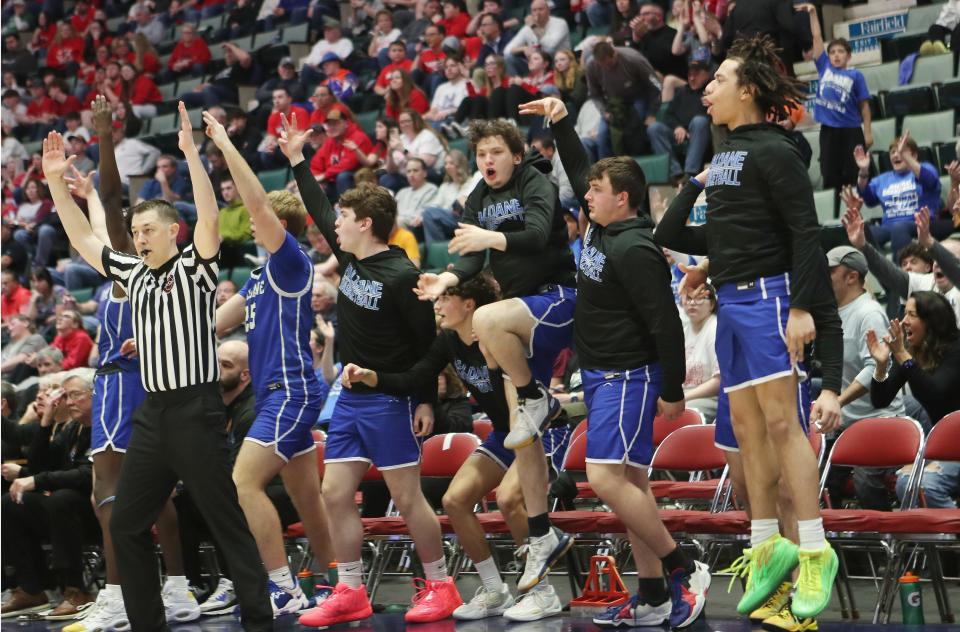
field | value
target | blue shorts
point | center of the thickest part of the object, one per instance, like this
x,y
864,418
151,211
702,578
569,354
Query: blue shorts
x,y
552,310
724,436
373,427
115,397
751,332
621,406
284,425
555,442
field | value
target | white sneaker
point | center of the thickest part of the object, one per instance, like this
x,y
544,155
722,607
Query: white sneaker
x,y
532,415
541,602
542,554
106,615
287,601
222,601
180,604
485,603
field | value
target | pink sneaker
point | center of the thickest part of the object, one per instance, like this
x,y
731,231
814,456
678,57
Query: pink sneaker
x,y
434,601
345,604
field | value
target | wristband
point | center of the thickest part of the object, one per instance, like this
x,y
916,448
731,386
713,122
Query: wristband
x,y
908,364
696,183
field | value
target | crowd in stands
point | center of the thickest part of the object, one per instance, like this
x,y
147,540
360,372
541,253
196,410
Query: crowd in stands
x,y
389,88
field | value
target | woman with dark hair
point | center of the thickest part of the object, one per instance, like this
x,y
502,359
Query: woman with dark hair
x,y
774,291
925,347
416,139
402,94
45,32
46,300
383,128
623,13
35,222
139,90
97,36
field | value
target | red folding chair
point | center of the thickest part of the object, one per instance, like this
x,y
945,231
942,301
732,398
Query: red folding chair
x,y
691,449
443,454
575,460
662,426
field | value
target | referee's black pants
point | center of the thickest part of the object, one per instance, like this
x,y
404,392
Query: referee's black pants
x,y
181,435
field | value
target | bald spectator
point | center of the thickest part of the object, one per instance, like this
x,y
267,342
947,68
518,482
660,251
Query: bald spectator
x,y
72,340
190,56
541,31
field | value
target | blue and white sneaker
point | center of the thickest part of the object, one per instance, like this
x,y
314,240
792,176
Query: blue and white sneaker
x,y
221,601
542,554
288,601
688,592
633,613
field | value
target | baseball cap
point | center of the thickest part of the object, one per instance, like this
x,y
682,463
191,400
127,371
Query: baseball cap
x,y
331,23
329,56
848,256
700,59
288,61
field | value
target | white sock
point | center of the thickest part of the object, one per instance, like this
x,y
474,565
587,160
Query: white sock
x,y
812,537
282,577
350,573
435,571
176,582
489,574
112,591
761,530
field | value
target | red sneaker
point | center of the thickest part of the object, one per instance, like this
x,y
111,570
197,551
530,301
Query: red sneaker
x,y
434,601
345,604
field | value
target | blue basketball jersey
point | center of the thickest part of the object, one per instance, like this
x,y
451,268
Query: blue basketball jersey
x,y
278,321
116,325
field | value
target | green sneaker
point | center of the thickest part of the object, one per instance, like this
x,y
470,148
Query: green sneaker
x,y
818,569
771,562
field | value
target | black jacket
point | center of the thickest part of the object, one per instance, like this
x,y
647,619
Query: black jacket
x,y
527,210
686,104
936,390
63,462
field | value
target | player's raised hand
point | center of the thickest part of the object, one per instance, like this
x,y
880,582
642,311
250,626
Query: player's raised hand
x,y
80,185
215,130
292,139
185,136
102,115
54,159
551,108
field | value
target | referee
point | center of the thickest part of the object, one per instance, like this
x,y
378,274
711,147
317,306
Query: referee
x,y
180,430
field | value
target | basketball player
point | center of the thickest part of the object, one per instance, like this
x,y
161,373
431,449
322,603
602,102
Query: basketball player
x,y
382,326
774,294
274,307
515,215
630,345
492,465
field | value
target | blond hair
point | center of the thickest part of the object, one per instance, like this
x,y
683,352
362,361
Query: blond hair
x,y
290,209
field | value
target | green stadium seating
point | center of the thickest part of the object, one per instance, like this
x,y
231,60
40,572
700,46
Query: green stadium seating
x,y
168,90
240,274
825,203
164,123
919,19
813,171
884,131
367,121
927,129
907,100
437,256
934,68
82,295
275,179
656,168
298,33
882,76
265,39
187,84
223,274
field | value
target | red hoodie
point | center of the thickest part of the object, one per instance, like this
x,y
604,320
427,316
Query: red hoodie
x,y
197,52
333,158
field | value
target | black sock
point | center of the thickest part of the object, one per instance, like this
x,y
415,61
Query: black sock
x,y
539,525
652,590
530,391
678,559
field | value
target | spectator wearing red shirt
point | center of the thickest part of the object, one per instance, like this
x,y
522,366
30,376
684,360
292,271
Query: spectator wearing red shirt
x,y
72,340
45,32
145,58
428,67
83,16
455,18
397,54
190,55
121,51
335,162
66,49
41,111
140,90
15,296
63,100
402,94
270,156
325,101
97,36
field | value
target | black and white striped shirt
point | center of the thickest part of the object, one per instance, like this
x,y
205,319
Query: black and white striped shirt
x,y
173,317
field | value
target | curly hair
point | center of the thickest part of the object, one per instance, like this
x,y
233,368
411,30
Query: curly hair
x,y
761,69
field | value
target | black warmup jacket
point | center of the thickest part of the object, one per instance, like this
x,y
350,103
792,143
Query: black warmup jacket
x,y
761,222
625,316
527,209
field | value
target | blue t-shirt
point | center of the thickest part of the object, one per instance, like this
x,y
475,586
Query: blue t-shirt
x,y
839,95
278,321
116,326
151,189
903,194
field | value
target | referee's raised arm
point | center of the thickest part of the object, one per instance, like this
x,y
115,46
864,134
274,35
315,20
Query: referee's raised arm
x,y
55,165
206,234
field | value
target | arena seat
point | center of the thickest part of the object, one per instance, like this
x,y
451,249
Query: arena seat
x,y
656,167
274,179
882,76
662,426
947,95
927,129
438,257
826,204
932,68
909,100
690,449
442,455
919,19
482,428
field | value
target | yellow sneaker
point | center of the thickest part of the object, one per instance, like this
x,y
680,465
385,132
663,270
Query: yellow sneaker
x,y
818,569
773,605
785,621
